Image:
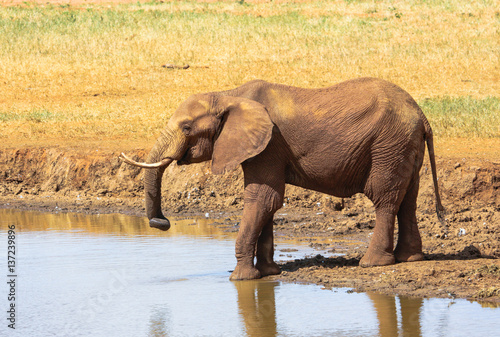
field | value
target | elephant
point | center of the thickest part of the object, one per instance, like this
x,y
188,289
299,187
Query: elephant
x,y
364,135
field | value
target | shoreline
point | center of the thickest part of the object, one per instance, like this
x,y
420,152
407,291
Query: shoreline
x,y
465,274
461,259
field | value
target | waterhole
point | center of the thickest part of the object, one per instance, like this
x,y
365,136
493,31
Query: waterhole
x,y
112,275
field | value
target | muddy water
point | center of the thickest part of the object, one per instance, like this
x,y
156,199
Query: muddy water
x,y
111,275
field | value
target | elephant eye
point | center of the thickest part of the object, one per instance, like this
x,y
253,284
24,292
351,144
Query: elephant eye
x,y
186,128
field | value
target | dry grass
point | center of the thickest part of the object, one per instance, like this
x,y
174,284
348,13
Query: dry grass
x,y
91,71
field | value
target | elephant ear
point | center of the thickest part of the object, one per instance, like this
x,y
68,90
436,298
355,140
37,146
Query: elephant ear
x,y
246,131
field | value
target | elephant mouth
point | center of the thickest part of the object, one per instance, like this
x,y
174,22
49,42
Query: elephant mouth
x,y
185,158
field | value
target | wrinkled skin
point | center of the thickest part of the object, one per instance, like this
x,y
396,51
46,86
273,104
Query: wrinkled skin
x,y
360,136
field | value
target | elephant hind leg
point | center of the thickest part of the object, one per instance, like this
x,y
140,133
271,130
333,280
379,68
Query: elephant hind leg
x,y
409,247
402,203
380,250
394,192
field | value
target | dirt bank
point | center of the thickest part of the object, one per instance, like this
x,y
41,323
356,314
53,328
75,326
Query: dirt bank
x,y
461,259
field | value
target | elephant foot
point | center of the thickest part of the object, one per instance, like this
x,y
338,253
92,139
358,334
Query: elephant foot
x,y
245,273
268,268
160,223
407,255
373,259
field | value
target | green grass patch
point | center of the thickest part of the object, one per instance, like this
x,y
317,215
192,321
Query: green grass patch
x,y
37,116
463,116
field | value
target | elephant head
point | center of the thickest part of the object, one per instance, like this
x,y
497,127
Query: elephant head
x,y
226,129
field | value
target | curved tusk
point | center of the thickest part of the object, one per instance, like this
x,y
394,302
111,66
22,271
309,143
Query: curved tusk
x,y
130,161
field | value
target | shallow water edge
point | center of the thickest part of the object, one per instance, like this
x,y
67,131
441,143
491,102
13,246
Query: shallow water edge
x,y
81,275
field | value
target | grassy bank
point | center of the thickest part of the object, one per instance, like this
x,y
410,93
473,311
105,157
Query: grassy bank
x,y
87,71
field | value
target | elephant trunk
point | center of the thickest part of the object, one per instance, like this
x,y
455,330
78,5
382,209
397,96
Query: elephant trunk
x,y
152,185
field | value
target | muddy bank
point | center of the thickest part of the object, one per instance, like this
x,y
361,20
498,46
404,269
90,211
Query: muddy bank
x,y
461,258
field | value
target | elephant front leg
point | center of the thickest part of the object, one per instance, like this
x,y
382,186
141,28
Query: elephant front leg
x,y
265,251
255,234
245,249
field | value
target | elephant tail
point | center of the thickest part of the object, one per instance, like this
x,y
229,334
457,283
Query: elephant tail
x,y
441,212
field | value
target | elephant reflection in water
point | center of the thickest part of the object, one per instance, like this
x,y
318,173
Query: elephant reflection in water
x,y
257,306
159,322
385,307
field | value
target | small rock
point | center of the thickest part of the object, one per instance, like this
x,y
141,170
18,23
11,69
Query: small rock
x,y
102,191
431,272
